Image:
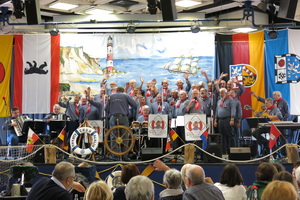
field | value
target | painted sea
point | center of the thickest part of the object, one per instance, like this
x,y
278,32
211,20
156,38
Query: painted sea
x,y
150,68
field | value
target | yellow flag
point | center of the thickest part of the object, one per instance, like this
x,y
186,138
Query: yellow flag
x,y
6,42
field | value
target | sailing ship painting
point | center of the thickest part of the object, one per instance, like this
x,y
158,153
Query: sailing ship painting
x,y
182,65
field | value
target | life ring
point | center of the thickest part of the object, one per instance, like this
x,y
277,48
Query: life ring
x,y
114,181
84,130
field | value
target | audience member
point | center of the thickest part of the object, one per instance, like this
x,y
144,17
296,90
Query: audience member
x,y
231,183
128,171
198,189
279,190
58,187
285,176
172,180
278,166
264,175
98,191
139,188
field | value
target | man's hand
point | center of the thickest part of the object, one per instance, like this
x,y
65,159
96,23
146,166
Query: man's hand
x,y
223,75
160,166
142,80
231,122
78,187
186,76
215,123
203,73
253,94
13,124
127,85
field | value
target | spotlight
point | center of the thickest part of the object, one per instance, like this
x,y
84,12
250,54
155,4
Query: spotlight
x,y
130,28
18,9
54,32
152,8
273,34
195,28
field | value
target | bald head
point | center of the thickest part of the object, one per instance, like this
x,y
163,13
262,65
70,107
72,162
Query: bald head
x,y
195,174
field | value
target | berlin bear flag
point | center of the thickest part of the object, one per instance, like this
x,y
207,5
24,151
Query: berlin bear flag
x,y
274,134
36,72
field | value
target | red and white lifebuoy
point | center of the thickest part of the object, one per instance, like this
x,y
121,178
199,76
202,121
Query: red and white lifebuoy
x,y
84,130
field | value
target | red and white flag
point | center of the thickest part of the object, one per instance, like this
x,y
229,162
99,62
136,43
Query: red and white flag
x,y
36,72
274,134
31,139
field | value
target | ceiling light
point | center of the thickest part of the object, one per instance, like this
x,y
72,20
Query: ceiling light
x,y
130,28
195,28
244,30
187,3
54,32
96,11
63,6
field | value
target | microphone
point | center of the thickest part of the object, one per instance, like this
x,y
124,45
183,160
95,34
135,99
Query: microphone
x,y
70,98
4,99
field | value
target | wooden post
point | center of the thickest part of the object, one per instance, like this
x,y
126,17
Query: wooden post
x,y
292,153
50,155
189,154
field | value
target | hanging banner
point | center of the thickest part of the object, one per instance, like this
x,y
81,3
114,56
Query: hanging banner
x,y
6,44
195,125
158,126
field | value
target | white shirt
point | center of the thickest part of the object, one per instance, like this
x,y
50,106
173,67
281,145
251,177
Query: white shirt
x,y
58,182
237,192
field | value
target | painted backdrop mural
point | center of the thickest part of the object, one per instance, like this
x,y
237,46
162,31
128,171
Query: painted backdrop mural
x,y
86,59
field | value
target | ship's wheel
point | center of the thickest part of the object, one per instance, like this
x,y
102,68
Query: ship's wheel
x,y
119,140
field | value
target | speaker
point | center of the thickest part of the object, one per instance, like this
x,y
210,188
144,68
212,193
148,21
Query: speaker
x,y
32,10
287,9
240,153
151,153
168,9
215,139
215,150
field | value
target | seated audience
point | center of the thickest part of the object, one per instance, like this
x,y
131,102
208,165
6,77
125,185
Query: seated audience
x,y
285,176
128,171
279,190
98,191
172,180
198,189
231,183
264,175
139,188
58,186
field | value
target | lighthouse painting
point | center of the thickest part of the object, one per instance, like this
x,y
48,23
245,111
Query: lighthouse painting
x,y
110,70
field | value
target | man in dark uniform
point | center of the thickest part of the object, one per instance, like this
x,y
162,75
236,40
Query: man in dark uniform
x,y
118,109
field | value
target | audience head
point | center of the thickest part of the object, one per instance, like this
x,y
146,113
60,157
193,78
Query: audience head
x,y
195,175
165,83
285,176
278,190
132,83
174,93
195,93
296,165
139,188
278,166
98,190
222,84
203,92
129,171
77,98
172,179
231,176
65,173
265,172
113,84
